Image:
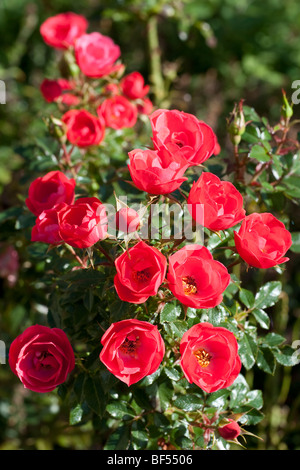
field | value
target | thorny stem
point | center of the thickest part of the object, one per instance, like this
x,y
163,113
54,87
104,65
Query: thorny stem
x,y
80,261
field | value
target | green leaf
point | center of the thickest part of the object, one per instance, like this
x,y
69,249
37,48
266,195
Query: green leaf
x,y
172,373
266,361
286,356
237,395
140,438
273,339
217,315
76,414
170,312
119,439
247,351
94,395
164,395
218,399
120,410
189,402
259,153
254,399
246,297
295,248
261,317
268,294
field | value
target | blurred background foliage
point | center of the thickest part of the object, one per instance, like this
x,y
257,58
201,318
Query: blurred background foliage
x,y
210,54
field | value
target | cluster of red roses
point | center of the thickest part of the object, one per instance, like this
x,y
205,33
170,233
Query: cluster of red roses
x,y
120,101
132,349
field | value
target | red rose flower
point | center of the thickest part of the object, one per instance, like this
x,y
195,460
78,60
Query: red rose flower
x,y
127,220
209,357
96,54
61,31
157,171
83,128
230,431
195,278
145,106
54,90
46,228
195,139
133,86
49,190
118,112
221,202
132,349
140,272
42,358
262,240
84,223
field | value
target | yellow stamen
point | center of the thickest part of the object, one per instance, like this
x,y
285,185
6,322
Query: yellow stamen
x,y
203,357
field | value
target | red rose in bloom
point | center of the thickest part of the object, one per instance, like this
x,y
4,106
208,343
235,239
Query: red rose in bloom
x,y
96,54
49,190
54,90
61,31
133,86
209,357
230,431
195,139
42,358
83,128
46,228
84,223
262,240
157,171
118,112
127,220
140,272
195,278
132,349
222,204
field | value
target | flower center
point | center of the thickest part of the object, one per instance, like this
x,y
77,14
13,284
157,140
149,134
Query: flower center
x,y
203,357
141,276
189,285
129,347
43,360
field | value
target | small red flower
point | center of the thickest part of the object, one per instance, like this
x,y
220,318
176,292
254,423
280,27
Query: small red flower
x,y
42,358
48,190
221,203
195,278
96,55
83,223
133,86
157,171
145,106
230,431
194,139
46,228
61,31
262,240
209,357
83,128
118,112
140,272
127,220
132,349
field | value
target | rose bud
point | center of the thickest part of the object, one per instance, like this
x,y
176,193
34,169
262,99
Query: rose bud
x,y
194,139
46,228
84,223
230,431
262,240
83,128
61,31
42,358
96,54
145,106
132,349
127,220
140,272
157,171
48,190
118,112
222,204
209,357
133,86
195,278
